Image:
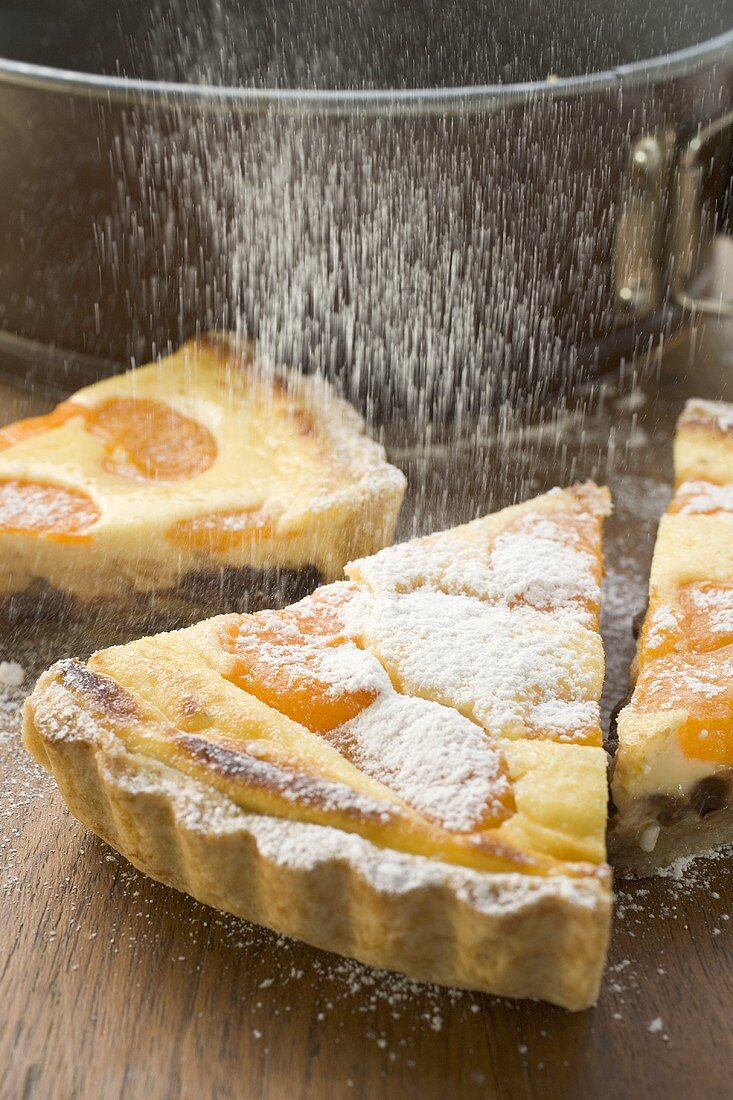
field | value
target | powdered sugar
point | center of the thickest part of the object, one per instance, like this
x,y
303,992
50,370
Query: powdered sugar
x,y
720,412
435,759
536,559
703,498
305,847
662,621
245,765
493,663
43,506
557,717
715,603
492,620
346,669
682,680
306,644
12,675
708,681
536,563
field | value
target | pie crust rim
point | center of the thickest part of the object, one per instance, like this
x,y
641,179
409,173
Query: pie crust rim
x,y
510,934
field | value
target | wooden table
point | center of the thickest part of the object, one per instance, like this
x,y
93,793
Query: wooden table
x,y
115,986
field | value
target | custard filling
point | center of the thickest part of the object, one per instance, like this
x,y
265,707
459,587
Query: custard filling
x,y
209,459
364,709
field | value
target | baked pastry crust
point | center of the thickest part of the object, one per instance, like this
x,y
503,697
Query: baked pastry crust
x,y
481,867
199,479
510,934
673,770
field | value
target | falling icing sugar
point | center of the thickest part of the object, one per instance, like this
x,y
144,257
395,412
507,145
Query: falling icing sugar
x,y
12,675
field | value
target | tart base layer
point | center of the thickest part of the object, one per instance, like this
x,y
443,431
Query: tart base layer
x,y
690,836
197,593
510,934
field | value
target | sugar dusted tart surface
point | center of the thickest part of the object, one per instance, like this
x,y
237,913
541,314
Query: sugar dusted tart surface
x,y
405,767
203,471
673,771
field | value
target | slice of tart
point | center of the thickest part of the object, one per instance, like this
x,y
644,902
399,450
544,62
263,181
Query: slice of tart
x,y
404,767
673,773
203,478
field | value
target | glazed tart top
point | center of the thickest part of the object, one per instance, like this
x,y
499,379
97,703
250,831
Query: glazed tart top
x,y
441,702
209,451
681,714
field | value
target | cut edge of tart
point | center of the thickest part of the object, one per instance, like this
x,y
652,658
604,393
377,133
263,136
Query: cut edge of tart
x,y
672,784
291,768
207,477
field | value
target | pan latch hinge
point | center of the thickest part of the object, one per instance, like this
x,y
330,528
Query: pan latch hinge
x,y
668,220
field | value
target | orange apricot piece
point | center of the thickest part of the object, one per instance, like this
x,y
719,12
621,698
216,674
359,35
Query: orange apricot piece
x,y
34,507
279,660
225,530
148,440
21,430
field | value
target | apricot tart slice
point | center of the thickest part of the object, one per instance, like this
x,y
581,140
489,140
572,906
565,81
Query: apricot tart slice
x,y
404,767
204,477
673,772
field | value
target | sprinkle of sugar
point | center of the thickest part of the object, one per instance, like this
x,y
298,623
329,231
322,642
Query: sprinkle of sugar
x,y
537,560
45,505
435,759
556,717
12,674
286,643
720,412
493,663
656,1025
301,789
493,627
540,564
683,679
716,604
662,621
703,497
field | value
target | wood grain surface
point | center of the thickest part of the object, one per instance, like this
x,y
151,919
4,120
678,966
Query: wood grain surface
x,y
114,986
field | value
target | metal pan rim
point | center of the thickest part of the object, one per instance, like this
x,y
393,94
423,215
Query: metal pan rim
x,y
115,89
